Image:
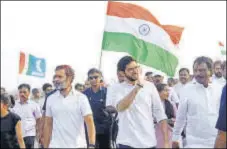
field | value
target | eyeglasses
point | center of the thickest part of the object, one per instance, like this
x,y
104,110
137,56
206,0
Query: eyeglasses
x,y
93,77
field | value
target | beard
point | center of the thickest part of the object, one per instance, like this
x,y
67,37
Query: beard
x,y
130,78
60,85
218,74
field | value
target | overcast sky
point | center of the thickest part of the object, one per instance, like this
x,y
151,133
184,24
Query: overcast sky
x,y
71,33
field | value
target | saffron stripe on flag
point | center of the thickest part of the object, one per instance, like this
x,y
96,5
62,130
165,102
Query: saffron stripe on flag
x,y
127,10
21,62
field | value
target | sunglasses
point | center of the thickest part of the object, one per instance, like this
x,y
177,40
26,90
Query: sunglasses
x,y
93,77
22,92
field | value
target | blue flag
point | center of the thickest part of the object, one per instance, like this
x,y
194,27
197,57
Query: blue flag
x,y
36,66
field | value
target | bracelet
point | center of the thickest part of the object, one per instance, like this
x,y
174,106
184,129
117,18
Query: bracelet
x,y
140,85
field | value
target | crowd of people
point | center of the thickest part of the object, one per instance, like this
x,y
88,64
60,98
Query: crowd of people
x,y
185,112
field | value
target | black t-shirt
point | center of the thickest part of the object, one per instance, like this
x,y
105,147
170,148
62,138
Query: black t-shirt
x,y
45,102
8,131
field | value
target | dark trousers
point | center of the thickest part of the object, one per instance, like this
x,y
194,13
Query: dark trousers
x,y
29,141
125,146
103,140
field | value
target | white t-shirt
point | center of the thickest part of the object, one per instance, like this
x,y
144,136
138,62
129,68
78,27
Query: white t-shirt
x,y
29,113
68,119
136,124
109,96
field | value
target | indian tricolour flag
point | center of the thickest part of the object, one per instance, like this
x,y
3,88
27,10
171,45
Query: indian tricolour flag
x,y
134,30
222,48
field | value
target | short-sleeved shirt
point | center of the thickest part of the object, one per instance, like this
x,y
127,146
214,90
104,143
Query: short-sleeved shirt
x,y
136,124
8,130
110,92
98,104
221,123
29,112
68,119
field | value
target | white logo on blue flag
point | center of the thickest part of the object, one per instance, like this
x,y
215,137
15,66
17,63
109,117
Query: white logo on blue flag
x,y
36,66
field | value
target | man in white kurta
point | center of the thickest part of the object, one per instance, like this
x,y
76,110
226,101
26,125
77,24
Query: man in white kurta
x,y
198,110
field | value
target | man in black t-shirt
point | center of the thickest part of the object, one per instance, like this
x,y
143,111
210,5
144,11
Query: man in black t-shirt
x,y
11,131
97,99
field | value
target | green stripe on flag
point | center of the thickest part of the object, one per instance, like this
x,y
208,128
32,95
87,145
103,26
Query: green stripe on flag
x,y
223,52
144,52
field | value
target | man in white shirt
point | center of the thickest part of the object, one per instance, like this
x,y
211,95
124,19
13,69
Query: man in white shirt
x,y
66,112
30,114
198,110
158,78
173,98
36,95
137,101
218,77
149,76
184,77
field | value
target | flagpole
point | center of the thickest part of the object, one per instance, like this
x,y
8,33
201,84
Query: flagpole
x,y
100,61
18,74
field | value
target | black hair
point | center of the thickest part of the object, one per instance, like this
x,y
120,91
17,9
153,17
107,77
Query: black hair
x,y
5,99
218,62
157,75
78,85
69,72
34,90
12,100
203,59
160,87
24,85
4,90
123,62
171,80
45,86
148,73
94,70
223,66
184,69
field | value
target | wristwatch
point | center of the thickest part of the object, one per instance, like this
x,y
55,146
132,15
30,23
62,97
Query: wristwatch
x,y
140,85
91,146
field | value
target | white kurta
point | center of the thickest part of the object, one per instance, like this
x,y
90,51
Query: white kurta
x,y
198,111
